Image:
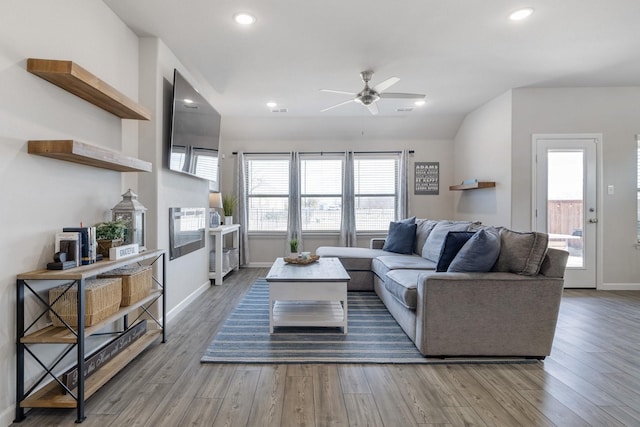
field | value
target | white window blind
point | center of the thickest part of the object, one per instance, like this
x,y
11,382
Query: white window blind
x,y
375,188
321,192
267,189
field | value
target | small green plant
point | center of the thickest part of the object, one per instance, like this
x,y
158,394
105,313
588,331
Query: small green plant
x,y
228,204
110,230
293,244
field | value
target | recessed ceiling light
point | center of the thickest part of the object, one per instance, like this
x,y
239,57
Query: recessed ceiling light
x,y
271,104
521,14
420,102
188,101
244,18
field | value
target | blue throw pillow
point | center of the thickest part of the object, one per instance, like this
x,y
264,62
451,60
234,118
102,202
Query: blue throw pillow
x,y
478,254
400,238
451,246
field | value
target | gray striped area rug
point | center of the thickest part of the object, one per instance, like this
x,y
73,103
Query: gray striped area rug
x,y
373,337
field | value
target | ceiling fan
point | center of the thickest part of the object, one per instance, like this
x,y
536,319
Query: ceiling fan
x,y
369,96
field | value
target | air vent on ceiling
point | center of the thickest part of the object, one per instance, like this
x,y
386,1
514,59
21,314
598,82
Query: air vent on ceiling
x,y
404,110
280,110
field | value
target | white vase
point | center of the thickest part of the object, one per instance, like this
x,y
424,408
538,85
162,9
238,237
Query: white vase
x,y
228,220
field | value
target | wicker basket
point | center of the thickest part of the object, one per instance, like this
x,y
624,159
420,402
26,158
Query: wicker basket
x,y
136,282
101,300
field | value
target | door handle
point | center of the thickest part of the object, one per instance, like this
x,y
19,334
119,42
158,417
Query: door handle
x,y
593,220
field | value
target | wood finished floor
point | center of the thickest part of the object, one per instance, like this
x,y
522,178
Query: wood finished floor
x,y
592,378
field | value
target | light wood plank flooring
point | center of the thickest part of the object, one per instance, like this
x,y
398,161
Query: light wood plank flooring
x,y
592,378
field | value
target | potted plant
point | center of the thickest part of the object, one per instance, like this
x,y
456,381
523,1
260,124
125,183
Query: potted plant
x,y
293,245
110,234
228,206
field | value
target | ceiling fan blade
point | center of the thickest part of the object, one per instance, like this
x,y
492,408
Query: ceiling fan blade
x,y
337,91
382,86
402,95
336,105
373,108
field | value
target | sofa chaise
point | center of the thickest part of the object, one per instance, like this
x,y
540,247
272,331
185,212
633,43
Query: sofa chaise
x,y
451,304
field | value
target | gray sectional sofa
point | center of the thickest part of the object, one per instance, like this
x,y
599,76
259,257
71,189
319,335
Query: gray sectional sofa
x,y
509,309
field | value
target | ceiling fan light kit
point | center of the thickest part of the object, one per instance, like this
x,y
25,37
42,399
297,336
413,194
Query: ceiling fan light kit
x,y
369,96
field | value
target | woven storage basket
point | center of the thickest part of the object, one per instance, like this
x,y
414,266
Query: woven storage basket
x,y
101,299
136,282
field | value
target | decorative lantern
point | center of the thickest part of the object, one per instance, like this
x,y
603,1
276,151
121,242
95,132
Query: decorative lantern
x,y
131,211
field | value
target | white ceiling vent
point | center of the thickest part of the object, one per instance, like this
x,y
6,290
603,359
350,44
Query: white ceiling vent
x,y
404,110
280,110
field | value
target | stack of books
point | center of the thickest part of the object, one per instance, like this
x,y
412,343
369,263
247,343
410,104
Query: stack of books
x,y
79,246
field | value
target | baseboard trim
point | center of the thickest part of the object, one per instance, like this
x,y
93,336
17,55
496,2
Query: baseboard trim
x,y
188,300
620,287
7,416
259,265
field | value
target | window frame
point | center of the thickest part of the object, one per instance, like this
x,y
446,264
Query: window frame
x,y
395,156
390,155
322,157
265,157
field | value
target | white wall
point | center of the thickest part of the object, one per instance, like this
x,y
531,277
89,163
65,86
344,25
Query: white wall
x,y
39,196
614,113
482,150
187,275
263,250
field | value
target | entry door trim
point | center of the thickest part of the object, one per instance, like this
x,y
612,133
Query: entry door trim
x,y
599,189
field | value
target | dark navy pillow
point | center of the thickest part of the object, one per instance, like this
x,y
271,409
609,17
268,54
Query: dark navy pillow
x,y
453,242
400,238
478,254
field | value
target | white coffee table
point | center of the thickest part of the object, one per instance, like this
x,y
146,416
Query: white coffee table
x,y
308,295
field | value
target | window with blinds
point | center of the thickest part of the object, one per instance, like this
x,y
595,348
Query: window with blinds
x,y
321,181
321,192
267,189
375,188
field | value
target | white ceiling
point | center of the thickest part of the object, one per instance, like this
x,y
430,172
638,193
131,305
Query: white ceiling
x,y
460,53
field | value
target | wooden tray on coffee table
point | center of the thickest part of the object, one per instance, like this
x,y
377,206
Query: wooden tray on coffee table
x,y
301,261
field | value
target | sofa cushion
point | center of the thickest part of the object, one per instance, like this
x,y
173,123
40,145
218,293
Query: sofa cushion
x,y
433,245
400,238
352,258
521,252
406,262
454,241
402,285
423,229
478,254
383,264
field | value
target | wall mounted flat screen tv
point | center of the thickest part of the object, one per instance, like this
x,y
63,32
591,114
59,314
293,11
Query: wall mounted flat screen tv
x,y
195,132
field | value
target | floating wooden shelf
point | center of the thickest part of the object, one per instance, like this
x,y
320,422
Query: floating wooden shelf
x,y
473,186
75,79
86,154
